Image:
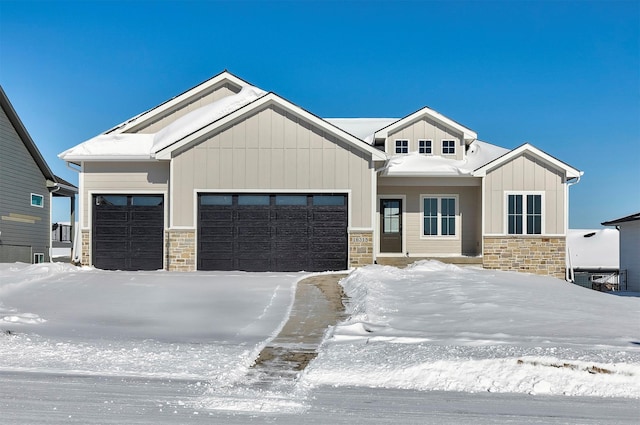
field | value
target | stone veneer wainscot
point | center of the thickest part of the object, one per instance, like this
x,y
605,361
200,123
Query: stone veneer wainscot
x,y
180,250
544,255
360,249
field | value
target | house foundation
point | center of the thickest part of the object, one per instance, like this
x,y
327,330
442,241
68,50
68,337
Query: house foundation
x,y
541,255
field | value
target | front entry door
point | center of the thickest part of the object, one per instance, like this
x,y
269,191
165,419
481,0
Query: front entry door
x,y
390,225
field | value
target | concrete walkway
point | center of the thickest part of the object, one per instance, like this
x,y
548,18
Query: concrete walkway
x,y
318,304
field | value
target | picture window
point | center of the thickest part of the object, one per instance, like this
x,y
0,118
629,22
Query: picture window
x,y
37,200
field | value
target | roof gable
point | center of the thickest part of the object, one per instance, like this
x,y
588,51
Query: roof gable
x,y
467,133
264,101
570,172
19,127
151,115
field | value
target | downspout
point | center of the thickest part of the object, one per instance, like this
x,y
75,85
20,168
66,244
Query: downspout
x,y
569,274
56,187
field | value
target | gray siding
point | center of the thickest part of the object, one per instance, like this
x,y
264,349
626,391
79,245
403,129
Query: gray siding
x,y
204,98
525,173
24,229
272,150
427,129
630,253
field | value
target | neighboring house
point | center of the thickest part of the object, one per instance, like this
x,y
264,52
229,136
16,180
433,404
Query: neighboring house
x,y
26,187
594,260
629,228
226,176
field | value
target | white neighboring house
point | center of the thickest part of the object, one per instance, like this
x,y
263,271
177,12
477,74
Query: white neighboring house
x,y
629,228
593,257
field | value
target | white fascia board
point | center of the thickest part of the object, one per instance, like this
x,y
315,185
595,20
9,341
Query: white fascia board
x,y
108,158
272,98
556,163
467,133
163,107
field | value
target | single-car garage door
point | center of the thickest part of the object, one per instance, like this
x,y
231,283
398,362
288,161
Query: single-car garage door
x,y
128,232
272,232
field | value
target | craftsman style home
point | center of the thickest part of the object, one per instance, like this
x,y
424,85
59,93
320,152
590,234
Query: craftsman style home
x,y
226,176
26,188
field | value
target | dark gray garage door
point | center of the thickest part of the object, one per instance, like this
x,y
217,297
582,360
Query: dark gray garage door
x,y
258,232
128,232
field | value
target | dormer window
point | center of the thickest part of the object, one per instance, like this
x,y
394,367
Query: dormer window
x,y
425,147
402,146
448,147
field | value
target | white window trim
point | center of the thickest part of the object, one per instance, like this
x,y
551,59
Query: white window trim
x,y
524,194
425,140
38,255
439,196
31,200
442,146
395,146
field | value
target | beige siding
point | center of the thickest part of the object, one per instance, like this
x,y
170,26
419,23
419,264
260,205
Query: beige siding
x,y
122,177
427,129
525,173
205,98
268,151
467,241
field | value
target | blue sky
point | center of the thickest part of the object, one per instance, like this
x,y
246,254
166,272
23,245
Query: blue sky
x,y
562,75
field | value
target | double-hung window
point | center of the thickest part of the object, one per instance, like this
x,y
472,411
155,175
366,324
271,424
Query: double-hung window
x,y
524,213
439,215
402,146
448,147
425,147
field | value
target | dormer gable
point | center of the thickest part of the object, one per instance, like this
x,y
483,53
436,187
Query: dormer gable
x,y
427,132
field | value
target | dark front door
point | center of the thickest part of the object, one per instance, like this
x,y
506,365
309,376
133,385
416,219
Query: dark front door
x,y
272,232
128,232
390,225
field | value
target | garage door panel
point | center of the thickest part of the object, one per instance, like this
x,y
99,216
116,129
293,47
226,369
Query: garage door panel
x,y
278,233
127,236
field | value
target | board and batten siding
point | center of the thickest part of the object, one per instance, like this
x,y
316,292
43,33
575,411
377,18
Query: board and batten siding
x,y
121,178
25,229
189,105
525,173
272,150
467,240
426,129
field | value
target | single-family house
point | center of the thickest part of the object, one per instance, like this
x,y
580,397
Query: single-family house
x,y
629,228
26,188
226,176
593,258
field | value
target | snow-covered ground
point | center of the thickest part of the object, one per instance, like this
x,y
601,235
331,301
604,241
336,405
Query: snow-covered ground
x,y
431,343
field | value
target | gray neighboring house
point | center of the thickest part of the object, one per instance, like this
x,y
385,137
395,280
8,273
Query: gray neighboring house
x,y
26,188
629,228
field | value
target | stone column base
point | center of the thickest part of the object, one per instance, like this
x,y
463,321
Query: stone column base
x,y
524,253
180,250
85,254
360,249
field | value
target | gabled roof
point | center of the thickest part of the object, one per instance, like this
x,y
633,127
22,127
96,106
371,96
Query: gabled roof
x,y
24,136
266,100
528,148
632,217
184,97
468,134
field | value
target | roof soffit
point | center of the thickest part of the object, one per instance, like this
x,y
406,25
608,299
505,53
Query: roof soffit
x,y
270,99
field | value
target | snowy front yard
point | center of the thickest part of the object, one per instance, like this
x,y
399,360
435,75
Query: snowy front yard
x,y
427,328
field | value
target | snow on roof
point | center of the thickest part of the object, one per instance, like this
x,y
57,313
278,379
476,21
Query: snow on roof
x,y
594,249
362,128
144,146
419,165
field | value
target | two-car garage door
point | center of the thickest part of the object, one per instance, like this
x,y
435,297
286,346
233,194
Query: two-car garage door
x,y
250,232
272,232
